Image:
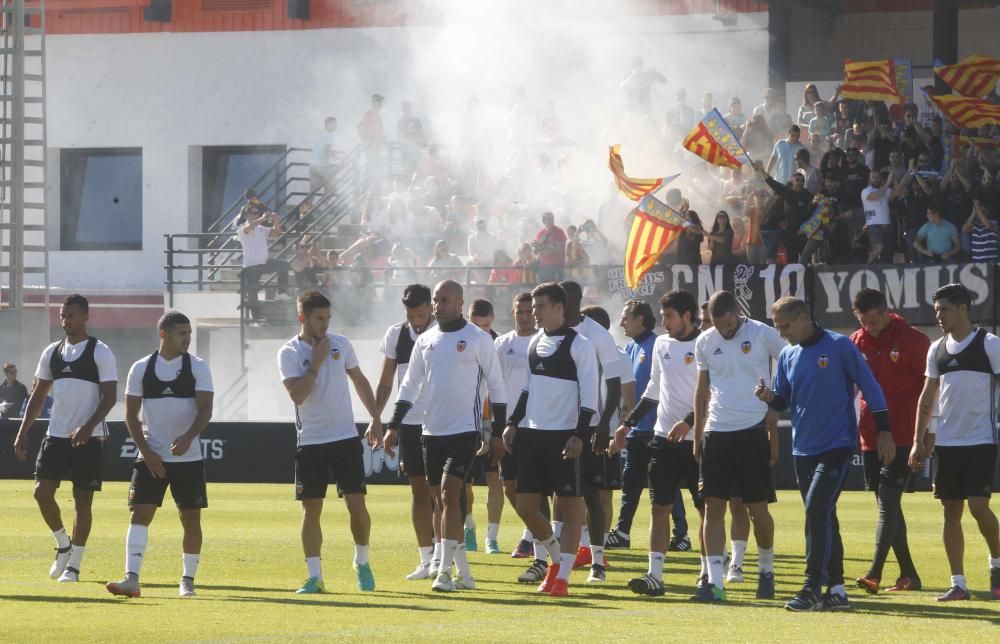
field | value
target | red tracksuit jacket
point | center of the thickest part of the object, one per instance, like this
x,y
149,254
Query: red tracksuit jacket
x,y
898,358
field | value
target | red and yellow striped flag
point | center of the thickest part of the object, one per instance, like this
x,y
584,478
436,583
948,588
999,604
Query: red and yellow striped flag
x,y
654,229
967,112
633,188
714,141
974,76
871,80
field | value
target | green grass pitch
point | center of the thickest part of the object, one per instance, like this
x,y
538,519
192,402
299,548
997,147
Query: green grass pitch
x,y
252,562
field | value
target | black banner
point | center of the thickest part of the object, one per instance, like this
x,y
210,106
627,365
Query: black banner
x,y
908,288
234,452
756,286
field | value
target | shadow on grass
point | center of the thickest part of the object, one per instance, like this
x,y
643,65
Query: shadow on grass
x,y
931,610
59,599
333,603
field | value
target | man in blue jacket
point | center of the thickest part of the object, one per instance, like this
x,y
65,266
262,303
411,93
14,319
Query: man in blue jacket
x,y
816,378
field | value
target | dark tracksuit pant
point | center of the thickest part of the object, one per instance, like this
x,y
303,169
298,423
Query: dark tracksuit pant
x,y
821,478
635,478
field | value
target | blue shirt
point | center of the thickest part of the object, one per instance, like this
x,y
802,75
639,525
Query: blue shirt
x,y
939,238
640,350
817,379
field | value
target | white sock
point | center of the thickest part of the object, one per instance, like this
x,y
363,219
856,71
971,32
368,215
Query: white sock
x,y
765,559
360,554
315,567
565,565
470,523
739,552
527,536
585,537
656,565
191,565
704,566
438,552
448,554
426,552
716,574
597,554
136,539
539,550
995,562
552,547
62,539
838,590
557,528
462,561
959,580
75,557
492,531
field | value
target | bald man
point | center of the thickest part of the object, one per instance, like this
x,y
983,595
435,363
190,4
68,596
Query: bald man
x,y
447,367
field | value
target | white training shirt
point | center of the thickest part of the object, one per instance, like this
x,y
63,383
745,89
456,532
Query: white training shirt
x,y
554,403
325,415
254,244
876,212
447,369
607,359
673,379
626,375
512,351
735,368
164,420
388,348
967,400
75,401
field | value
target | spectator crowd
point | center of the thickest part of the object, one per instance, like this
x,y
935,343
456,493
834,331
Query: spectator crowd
x,y
842,181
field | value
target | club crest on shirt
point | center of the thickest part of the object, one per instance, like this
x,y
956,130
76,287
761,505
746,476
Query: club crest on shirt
x,y
823,361
335,354
894,355
642,356
461,346
746,346
299,488
688,358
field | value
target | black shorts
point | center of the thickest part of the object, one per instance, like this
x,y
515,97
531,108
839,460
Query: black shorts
x,y
58,460
186,481
541,468
411,454
600,470
737,464
449,455
670,465
508,467
317,465
964,472
898,472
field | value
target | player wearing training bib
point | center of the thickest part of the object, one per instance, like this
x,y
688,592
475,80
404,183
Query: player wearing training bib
x,y
512,352
174,390
669,394
80,372
731,438
817,378
447,367
397,347
961,376
315,367
549,430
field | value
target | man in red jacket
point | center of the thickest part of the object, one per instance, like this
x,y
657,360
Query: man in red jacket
x,y
897,355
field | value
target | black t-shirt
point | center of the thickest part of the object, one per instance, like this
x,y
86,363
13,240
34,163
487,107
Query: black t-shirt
x,y
916,207
880,149
689,248
854,181
912,151
722,252
957,204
